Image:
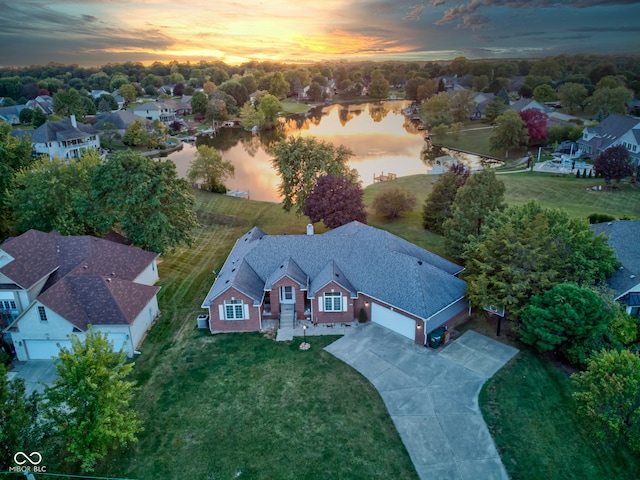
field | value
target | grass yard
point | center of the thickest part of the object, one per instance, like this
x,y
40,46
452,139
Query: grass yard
x,y
531,416
290,106
214,406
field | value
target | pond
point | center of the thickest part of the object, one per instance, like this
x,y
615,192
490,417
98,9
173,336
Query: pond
x,y
382,139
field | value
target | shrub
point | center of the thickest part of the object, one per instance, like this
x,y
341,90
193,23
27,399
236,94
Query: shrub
x,y
600,218
392,203
362,317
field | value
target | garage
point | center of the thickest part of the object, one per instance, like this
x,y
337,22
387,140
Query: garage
x,y
44,349
395,321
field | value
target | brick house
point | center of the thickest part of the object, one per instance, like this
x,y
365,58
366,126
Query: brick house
x,y
329,278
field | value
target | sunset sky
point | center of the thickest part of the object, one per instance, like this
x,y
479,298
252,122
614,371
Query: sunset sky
x,y
95,32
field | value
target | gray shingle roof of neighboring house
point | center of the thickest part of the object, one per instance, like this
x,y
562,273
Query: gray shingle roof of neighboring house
x,y
121,119
522,103
368,260
608,131
11,114
59,130
624,238
153,106
92,278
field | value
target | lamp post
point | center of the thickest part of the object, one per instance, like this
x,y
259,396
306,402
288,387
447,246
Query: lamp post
x,y
304,333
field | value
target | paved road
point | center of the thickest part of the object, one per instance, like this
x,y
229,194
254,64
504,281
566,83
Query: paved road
x,y
433,397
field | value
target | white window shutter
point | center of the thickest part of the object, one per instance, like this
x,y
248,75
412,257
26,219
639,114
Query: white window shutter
x,y
221,311
321,304
345,303
246,311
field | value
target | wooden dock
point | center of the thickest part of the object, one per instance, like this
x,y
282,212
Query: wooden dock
x,y
384,178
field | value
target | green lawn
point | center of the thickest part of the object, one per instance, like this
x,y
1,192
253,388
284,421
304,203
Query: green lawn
x,y
292,107
214,406
217,405
531,416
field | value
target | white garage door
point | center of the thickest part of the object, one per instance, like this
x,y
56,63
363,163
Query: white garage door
x,y
44,349
393,321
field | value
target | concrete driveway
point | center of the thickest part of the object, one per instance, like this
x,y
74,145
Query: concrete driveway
x,y
433,397
36,373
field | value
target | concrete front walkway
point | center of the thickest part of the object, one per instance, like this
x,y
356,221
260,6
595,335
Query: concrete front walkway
x,y
433,397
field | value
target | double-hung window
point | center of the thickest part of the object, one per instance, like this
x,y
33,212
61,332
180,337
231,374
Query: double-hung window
x,y
333,302
233,310
7,305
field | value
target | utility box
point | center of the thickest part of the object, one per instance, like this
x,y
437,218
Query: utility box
x,y
203,322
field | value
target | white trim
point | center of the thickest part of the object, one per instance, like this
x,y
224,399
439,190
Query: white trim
x,y
221,311
246,311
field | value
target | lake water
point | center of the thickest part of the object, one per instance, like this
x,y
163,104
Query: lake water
x,y
382,139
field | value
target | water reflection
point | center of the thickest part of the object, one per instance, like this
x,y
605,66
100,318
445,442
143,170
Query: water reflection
x,y
383,141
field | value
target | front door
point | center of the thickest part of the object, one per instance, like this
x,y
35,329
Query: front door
x,y
287,295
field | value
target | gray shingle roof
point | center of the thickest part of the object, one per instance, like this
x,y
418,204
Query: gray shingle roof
x,y
624,238
288,268
331,273
121,119
60,130
371,261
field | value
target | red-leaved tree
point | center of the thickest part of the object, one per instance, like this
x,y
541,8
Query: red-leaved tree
x,y
336,201
613,164
535,122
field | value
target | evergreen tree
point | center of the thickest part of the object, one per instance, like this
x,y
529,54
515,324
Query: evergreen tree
x,y
437,206
482,193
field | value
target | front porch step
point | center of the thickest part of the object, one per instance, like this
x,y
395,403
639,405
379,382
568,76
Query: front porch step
x,y
287,316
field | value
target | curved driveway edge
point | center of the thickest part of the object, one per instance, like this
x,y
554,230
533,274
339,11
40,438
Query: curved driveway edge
x,y
432,397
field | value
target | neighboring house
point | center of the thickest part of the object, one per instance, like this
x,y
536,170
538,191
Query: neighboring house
x,y
527,104
610,132
121,119
52,286
11,115
44,103
156,111
481,100
625,282
64,138
330,278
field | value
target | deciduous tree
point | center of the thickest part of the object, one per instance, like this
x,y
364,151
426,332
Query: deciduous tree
x,y
437,110
564,316
535,122
20,423
54,195
608,393
613,164
145,200
301,161
279,87
393,203
544,93
199,102
494,109
526,250
209,167
609,100
509,132
336,201
572,95
90,401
